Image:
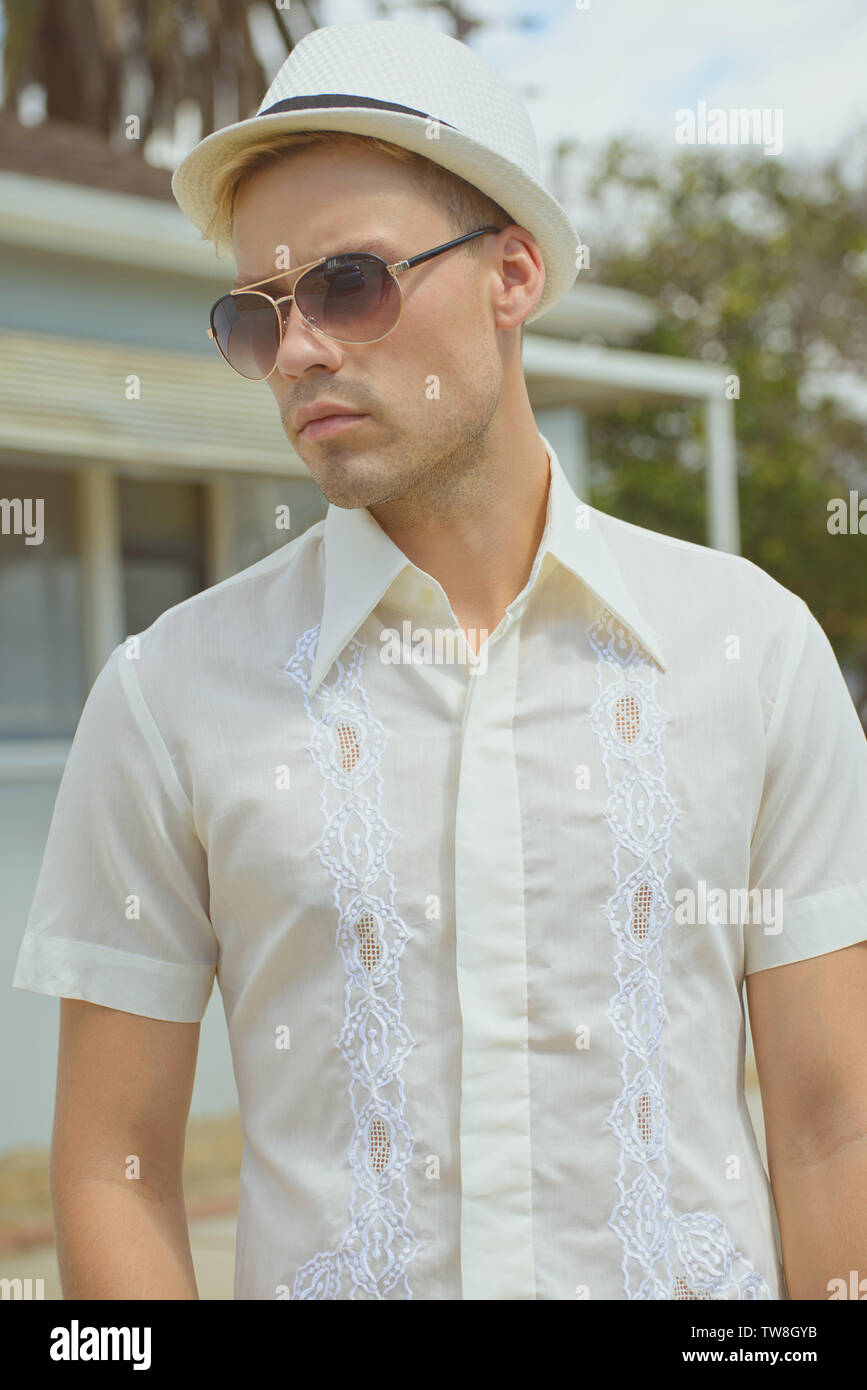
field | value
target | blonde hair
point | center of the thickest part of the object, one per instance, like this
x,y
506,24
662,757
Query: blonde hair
x,y
465,206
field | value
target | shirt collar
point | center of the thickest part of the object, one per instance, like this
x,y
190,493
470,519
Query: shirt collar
x,y
362,563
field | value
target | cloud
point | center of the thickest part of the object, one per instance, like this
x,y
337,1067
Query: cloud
x,y
624,69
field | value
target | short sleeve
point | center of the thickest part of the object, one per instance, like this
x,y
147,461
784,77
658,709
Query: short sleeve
x,y
120,915
808,853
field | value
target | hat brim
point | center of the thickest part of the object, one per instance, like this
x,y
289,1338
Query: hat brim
x,y
528,204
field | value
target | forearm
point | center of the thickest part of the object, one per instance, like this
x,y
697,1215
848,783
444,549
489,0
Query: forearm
x,y
117,1240
822,1210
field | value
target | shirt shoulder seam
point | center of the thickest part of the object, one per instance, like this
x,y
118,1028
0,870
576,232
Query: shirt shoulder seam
x,y
797,643
149,729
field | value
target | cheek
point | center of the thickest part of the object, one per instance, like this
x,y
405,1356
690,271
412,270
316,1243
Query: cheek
x,y
433,353
436,330
440,302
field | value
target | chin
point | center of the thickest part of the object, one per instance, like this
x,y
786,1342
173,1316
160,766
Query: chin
x,y
352,477
341,489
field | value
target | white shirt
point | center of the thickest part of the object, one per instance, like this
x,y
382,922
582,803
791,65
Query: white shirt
x,y
481,1050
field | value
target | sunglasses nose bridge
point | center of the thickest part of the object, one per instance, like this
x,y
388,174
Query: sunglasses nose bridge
x,y
285,299
283,305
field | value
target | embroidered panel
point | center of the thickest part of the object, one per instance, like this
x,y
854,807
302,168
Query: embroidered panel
x,y
346,744
664,1256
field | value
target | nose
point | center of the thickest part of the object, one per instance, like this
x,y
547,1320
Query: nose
x,y
301,346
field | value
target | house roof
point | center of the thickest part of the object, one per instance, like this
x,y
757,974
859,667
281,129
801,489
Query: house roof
x,y
73,154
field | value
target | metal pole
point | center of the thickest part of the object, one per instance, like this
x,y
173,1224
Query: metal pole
x,y
722,475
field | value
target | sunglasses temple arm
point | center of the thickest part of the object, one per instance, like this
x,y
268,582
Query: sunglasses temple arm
x,y
427,255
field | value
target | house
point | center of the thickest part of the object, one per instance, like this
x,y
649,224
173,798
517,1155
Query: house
x,y
161,472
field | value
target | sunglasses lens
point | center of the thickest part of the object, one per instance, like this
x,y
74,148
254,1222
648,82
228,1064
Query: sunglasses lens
x,y
247,331
353,300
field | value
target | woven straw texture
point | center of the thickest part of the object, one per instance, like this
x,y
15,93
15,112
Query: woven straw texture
x,y
479,127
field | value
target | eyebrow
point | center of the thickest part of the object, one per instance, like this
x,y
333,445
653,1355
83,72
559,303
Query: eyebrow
x,y
378,246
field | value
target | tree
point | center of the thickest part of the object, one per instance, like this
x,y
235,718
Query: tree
x,y
761,266
99,61
89,55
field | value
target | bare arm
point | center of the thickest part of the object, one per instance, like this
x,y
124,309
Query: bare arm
x,y
809,1025
124,1084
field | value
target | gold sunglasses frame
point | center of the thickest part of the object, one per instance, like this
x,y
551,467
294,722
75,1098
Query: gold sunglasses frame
x,y
394,270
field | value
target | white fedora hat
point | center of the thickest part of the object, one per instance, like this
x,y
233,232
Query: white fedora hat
x,y
422,90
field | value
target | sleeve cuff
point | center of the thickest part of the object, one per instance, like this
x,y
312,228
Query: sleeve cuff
x,y
178,993
811,927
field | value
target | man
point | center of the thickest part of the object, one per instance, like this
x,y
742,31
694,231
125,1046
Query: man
x,y
480,912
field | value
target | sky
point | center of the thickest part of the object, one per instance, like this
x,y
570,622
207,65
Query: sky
x,y
625,66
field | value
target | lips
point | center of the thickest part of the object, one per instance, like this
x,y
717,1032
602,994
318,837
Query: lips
x,y
322,410
326,425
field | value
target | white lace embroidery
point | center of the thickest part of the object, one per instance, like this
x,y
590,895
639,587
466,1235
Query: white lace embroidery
x,y
664,1256
346,745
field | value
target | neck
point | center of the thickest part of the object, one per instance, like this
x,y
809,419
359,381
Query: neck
x,y
477,529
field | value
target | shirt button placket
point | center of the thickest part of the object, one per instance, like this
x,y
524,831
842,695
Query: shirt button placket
x,y
496,1194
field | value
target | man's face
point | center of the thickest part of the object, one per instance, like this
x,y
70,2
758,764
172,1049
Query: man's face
x,y
430,389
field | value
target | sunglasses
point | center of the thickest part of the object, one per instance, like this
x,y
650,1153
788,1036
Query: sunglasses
x,y
352,298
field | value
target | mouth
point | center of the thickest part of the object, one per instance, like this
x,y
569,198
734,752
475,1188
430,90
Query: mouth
x,y
327,425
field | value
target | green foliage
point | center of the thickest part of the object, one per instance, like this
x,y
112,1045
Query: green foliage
x,y
763,268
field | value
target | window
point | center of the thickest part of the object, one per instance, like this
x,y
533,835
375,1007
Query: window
x,y
42,681
162,547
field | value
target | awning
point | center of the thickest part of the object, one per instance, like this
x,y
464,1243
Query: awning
x,y
74,399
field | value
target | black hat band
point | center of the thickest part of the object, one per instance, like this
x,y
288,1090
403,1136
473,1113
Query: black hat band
x,y
331,99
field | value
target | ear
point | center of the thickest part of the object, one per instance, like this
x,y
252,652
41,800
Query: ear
x,y
519,276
